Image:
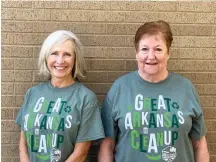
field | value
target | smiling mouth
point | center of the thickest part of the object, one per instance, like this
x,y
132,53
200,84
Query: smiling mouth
x,y
151,63
59,67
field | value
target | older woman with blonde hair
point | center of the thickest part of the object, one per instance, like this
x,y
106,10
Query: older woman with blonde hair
x,y
59,118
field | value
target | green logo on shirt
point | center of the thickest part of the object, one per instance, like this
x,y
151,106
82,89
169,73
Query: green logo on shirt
x,y
146,121
46,116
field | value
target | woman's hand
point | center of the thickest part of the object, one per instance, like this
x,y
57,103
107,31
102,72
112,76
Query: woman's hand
x,y
200,150
23,150
106,150
80,152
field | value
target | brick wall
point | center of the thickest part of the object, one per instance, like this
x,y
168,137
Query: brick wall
x,y
106,29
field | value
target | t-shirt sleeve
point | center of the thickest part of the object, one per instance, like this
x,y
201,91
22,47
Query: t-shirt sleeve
x,y
198,129
20,115
110,125
91,127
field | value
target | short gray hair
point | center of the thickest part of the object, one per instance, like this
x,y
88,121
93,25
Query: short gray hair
x,y
58,37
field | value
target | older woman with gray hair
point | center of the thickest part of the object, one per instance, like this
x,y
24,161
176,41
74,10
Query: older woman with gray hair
x,y
59,118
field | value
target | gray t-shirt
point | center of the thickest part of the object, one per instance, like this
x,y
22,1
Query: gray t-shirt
x,y
54,119
153,121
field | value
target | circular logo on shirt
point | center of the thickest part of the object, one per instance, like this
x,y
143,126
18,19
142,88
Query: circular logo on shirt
x,y
169,154
55,155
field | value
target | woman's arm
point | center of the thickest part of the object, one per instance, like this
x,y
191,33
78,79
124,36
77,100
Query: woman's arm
x,y
80,152
23,151
106,152
200,150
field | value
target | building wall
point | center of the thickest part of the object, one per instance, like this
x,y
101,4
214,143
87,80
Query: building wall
x,y
106,28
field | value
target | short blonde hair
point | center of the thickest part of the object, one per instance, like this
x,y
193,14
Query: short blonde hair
x,y
58,37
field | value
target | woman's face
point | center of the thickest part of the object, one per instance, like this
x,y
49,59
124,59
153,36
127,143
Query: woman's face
x,y
61,60
152,56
